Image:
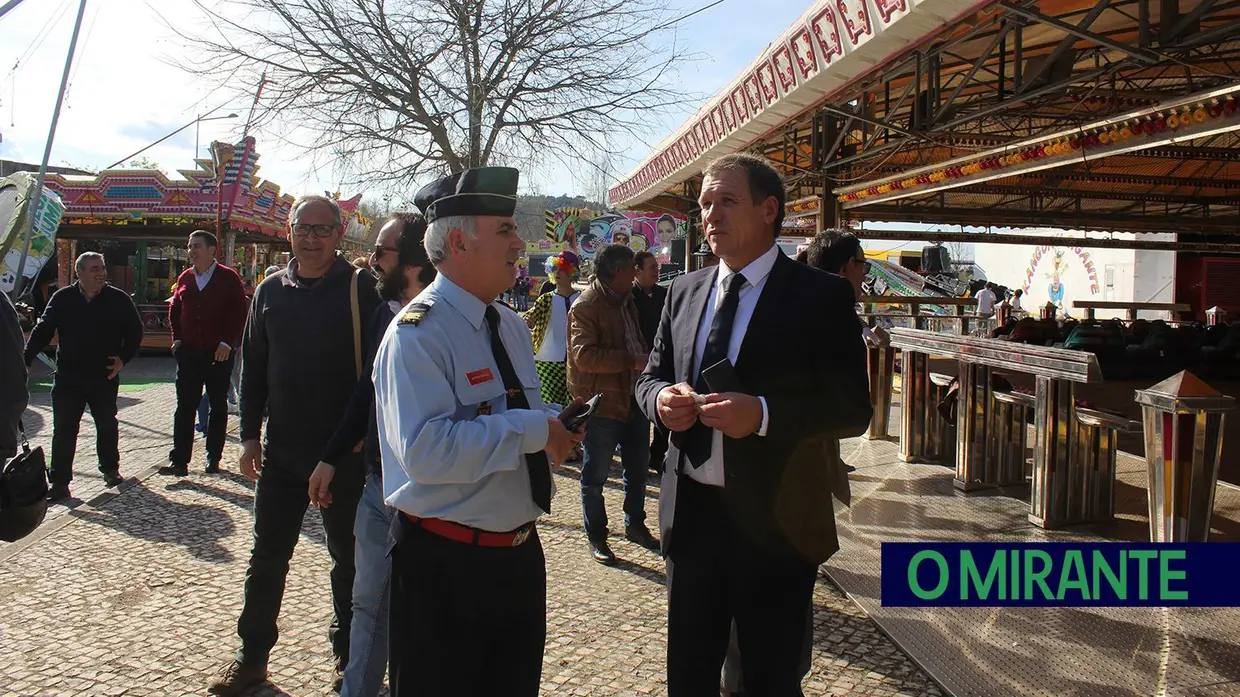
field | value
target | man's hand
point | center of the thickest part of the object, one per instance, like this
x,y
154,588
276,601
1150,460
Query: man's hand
x,y
736,414
678,407
176,345
639,364
251,459
320,485
222,352
115,364
560,441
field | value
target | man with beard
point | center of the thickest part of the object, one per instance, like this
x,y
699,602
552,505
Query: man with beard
x,y
400,258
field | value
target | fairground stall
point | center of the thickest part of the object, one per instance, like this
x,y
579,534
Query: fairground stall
x,y
1089,149
140,221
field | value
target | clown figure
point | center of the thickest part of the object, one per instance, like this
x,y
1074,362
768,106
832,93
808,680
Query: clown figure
x,y
548,320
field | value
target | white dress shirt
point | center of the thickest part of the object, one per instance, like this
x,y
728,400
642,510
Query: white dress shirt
x,y
711,471
205,277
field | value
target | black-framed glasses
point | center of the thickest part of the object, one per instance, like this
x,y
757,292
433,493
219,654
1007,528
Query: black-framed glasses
x,y
303,229
380,250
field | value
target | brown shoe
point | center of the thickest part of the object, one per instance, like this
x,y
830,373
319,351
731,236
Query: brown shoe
x,y
239,677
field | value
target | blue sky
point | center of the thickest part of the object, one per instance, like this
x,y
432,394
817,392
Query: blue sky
x,y
123,95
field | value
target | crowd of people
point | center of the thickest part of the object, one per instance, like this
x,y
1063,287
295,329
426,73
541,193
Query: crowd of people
x,y
423,418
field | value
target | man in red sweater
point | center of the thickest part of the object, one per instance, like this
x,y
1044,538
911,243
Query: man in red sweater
x,y
207,314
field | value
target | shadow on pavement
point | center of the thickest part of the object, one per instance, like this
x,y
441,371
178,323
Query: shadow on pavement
x,y
145,515
312,525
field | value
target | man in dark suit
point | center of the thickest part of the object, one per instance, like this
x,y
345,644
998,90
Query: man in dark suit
x,y
745,506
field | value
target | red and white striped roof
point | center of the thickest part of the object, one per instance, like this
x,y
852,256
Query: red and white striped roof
x,y
833,43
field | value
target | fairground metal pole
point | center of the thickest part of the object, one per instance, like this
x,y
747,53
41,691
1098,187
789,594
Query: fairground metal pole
x,y
8,6
37,198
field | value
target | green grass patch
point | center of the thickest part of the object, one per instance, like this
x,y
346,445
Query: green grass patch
x,y
46,385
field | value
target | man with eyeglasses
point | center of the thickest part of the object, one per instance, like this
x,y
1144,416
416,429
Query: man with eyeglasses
x,y
302,357
207,315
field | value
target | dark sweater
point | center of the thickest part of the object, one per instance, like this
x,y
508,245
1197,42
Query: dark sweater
x,y
649,309
204,319
359,418
89,332
298,362
13,375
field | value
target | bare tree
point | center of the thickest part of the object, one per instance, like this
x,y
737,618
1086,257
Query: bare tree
x,y
391,89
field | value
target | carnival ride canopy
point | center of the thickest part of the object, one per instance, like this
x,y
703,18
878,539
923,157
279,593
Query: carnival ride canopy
x,y
1079,114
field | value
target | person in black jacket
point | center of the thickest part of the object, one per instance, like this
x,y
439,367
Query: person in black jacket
x,y
649,297
301,357
99,332
13,376
405,270
745,510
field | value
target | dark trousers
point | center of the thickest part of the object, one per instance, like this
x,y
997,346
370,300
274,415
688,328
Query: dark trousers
x,y
658,449
466,621
715,576
69,402
196,369
280,502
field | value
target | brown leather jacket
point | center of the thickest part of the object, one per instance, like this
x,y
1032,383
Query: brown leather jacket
x,y
598,359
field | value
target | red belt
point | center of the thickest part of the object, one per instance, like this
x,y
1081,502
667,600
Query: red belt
x,y
473,536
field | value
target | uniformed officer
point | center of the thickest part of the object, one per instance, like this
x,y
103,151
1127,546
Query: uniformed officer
x,y
466,445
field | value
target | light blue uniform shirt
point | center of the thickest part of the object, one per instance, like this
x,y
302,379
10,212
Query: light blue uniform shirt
x,y
450,446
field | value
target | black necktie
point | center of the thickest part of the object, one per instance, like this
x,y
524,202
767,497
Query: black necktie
x,y
697,440
536,463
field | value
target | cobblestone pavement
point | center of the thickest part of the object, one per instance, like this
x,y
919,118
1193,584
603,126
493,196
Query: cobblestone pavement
x,y
138,593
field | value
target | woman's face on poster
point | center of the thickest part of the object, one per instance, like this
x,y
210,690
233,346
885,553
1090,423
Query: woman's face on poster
x,y
667,230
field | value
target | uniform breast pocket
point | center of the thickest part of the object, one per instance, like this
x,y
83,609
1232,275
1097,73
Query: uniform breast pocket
x,y
479,392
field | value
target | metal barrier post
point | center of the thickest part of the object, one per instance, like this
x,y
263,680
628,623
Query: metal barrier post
x,y
882,360
1006,465
1183,421
914,397
974,411
1097,447
1054,423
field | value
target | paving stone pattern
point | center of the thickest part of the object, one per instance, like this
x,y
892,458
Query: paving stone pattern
x,y
138,594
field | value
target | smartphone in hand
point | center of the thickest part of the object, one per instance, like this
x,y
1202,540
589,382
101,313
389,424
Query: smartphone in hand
x,y
578,419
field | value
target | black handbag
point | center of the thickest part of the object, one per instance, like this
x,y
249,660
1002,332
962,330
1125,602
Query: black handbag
x,y
23,492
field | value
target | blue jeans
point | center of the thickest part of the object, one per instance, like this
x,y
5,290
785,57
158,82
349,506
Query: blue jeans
x,y
602,436
368,638
204,411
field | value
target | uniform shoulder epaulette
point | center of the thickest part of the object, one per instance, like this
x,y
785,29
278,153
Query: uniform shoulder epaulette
x,y
415,314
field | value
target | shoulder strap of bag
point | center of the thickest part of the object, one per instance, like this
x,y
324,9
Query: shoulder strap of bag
x,y
357,323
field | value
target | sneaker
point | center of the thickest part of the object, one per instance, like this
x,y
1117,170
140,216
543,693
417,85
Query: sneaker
x,y
175,471
112,479
237,678
60,492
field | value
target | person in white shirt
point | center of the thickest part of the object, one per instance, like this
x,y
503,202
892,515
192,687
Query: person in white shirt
x,y
986,301
1017,310
549,322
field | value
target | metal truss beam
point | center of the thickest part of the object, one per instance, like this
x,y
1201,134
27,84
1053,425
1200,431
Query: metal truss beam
x,y
1140,54
1048,193
1070,220
1037,240
1065,45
